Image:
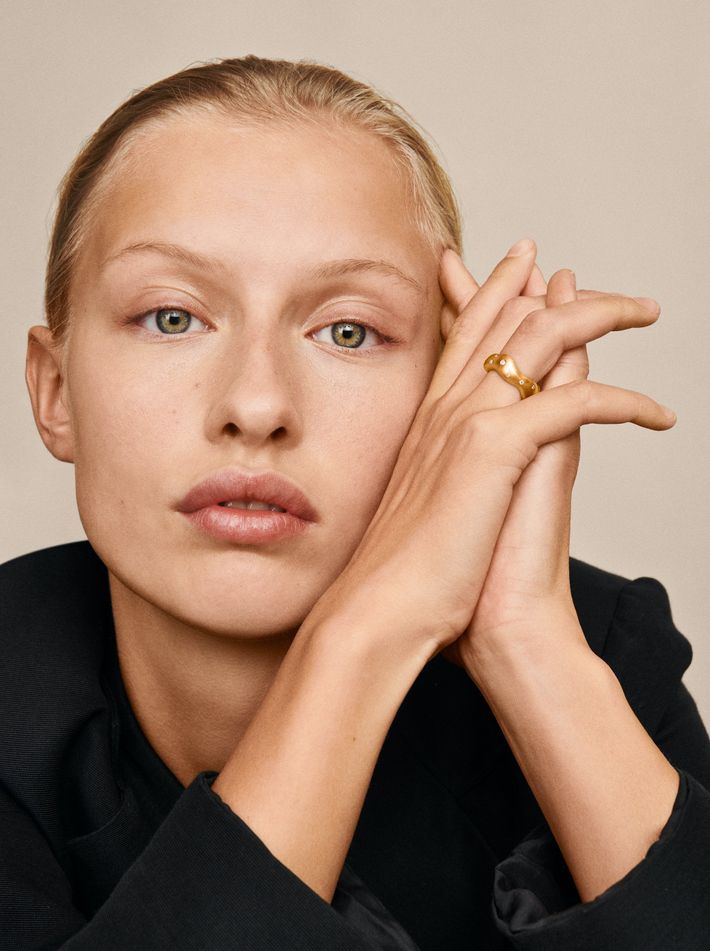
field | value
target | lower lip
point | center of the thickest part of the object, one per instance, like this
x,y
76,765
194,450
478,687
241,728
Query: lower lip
x,y
247,526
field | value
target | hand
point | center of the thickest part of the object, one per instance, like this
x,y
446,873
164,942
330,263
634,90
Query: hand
x,y
527,585
420,568
527,653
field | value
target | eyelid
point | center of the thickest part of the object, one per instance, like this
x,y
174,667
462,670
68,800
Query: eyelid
x,y
385,338
157,333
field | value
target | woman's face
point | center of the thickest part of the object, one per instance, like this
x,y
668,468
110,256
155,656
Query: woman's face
x,y
258,374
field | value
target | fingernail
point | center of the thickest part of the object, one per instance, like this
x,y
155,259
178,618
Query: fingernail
x,y
671,414
520,248
649,302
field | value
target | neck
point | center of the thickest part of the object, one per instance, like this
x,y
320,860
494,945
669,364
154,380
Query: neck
x,y
192,691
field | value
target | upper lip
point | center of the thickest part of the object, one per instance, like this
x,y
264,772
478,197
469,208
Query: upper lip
x,y
253,485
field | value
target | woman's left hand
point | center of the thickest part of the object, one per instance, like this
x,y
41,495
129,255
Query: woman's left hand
x,y
527,588
604,787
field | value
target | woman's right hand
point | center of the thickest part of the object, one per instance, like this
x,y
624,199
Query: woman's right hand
x,y
420,566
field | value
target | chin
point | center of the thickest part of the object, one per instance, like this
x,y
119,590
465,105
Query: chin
x,y
228,591
250,606
244,616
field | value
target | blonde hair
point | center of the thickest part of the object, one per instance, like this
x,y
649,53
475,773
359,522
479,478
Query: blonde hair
x,y
252,90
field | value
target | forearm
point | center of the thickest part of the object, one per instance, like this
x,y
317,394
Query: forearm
x,y
603,785
300,773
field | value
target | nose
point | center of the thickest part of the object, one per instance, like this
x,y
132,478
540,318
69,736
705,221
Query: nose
x,y
253,394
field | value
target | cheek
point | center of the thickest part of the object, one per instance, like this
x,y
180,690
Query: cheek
x,y
363,432
142,432
127,424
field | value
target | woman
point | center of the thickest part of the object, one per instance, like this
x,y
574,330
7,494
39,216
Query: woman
x,y
383,708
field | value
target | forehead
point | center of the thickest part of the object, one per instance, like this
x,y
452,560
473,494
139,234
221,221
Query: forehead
x,y
258,194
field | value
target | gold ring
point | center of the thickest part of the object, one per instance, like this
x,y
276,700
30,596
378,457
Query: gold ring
x,y
507,370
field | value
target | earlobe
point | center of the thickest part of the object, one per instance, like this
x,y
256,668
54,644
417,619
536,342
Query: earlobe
x,y
45,382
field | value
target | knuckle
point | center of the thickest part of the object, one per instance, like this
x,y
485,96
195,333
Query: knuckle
x,y
475,432
515,307
576,364
513,314
444,412
463,328
478,426
539,323
628,307
582,392
580,389
445,408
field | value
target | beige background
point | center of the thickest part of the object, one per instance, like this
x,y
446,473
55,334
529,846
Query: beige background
x,y
581,125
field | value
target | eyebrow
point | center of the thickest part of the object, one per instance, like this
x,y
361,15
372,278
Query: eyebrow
x,y
336,268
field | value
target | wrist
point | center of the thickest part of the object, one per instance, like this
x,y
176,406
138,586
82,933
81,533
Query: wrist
x,y
365,648
603,785
368,633
536,646
300,773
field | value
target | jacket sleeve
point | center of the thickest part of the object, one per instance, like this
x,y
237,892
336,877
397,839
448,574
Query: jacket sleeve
x,y
204,882
662,902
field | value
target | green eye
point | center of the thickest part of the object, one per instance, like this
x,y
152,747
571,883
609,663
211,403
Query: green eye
x,y
348,335
172,320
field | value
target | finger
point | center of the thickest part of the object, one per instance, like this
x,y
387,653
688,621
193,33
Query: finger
x,y
512,315
535,289
450,311
572,364
562,288
506,280
556,413
458,286
456,281
557,462
546,485
544,335
536,285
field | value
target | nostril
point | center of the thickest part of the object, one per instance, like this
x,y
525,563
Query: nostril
x,y
279,433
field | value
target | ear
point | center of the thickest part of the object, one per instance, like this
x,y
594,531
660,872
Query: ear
x,y
43,375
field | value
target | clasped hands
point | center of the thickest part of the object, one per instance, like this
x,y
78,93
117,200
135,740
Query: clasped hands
x,y
468,551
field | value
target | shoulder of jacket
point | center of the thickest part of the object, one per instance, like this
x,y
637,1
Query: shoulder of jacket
x,y
626,621
53,600
56,615
595,592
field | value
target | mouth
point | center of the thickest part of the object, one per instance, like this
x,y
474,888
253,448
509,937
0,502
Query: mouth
x,y
249,490
253,506
248,522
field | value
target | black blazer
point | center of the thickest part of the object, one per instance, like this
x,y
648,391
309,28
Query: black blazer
x,y
102,848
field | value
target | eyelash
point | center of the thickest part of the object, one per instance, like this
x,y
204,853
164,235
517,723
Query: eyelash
x,y
155,310
359,323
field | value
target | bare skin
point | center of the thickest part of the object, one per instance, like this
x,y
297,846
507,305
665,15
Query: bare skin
x,y
603,785
257,380
287,681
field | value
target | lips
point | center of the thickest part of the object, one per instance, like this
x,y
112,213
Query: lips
x,y
227,485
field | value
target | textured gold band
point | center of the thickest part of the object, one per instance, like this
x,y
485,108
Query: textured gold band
x,y
506,368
